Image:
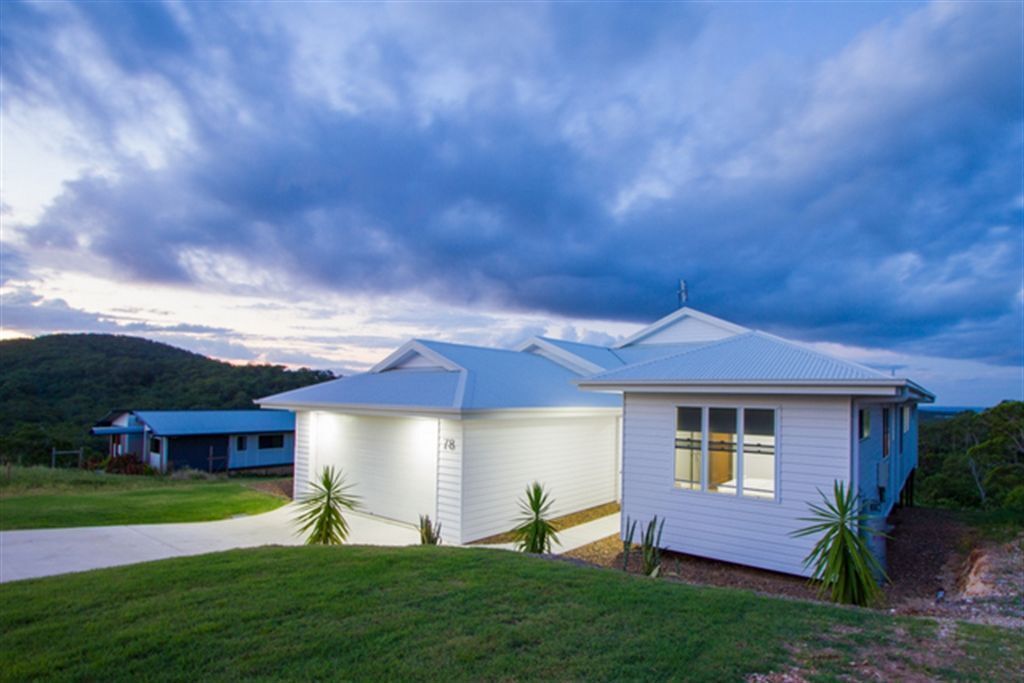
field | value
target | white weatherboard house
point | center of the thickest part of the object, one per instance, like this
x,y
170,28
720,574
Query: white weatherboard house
x,y
724,432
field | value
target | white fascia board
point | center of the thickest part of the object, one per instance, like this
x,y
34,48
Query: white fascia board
x,y
414,346
822,388
364,409
684,312
521,413
558,355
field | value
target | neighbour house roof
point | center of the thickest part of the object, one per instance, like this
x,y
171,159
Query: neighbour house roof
x,y
200,422
433,376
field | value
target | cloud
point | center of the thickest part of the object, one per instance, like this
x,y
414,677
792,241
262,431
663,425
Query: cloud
x,y
563,159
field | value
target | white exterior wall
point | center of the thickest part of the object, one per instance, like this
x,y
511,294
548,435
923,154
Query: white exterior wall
x,y
574,457
449,481
391,461
812,451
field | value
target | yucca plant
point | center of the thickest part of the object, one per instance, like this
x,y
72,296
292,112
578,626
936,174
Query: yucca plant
x,y
535,532
627,543
321,512
841,559
650,547
430,533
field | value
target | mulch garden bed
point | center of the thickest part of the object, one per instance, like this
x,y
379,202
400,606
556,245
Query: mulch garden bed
x,y
930,558
560,523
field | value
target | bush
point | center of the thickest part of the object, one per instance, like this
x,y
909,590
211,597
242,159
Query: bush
x,y
1015,499
189,474
841,559
128,464
535,532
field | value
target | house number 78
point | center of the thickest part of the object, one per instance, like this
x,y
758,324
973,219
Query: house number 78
x,y
448,444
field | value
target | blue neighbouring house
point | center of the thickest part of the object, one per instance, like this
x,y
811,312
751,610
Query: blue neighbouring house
x,y
208,440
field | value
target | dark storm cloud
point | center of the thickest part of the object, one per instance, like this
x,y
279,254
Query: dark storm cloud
x,y
569,159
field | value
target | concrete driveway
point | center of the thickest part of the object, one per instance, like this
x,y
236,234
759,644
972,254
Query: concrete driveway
x,y
45,552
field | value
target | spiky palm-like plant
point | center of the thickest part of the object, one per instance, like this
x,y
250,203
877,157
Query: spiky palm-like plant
x,y
535,532
430,533
841,559
650,548
627,542
321,512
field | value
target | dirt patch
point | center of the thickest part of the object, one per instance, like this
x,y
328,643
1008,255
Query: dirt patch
x,y
275,487
560,523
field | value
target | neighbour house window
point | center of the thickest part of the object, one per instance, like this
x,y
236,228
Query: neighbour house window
x,y
271,441
241,443
886,433
689,438
739,450
154,445
864,417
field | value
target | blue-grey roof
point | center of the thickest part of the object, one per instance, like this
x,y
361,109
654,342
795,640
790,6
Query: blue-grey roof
x,y
598,355
497,378
485,379
412,388
753,357
195,422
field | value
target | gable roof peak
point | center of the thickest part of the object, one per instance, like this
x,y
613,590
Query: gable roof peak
x,y
712,327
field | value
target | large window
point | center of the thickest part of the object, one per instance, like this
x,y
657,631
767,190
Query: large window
x,y
689,445
865,423
726,450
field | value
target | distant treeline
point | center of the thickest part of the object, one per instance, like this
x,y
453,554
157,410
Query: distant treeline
x,y
53,388
973,459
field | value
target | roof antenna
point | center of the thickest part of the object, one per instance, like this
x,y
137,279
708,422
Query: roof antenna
x,y
683,294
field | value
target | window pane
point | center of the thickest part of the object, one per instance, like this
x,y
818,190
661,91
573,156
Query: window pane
x,y
688,447
271,441
722,450
759,453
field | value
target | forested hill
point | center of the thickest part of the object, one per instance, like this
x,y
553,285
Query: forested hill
x,y
53,388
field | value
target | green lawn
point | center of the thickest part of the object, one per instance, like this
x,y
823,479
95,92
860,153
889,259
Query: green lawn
x,y
363,613
40,498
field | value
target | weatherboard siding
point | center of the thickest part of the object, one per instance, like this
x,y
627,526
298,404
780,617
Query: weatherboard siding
x,y
449,480
813,450
575,459
300,483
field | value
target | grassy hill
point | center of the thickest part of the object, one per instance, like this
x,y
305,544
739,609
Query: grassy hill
x,y
53,388
454,614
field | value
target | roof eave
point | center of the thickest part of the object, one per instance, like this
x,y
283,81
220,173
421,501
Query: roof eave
x,y
833,387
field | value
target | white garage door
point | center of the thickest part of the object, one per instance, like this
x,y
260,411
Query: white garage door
x,y
392,462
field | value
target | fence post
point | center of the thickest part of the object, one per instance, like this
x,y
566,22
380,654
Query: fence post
x,y
81,456
53,457
210,460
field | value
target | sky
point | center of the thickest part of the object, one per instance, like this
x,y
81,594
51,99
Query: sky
x,y
315,183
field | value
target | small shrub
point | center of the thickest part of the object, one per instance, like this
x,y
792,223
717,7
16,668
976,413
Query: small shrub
x,y
1015,499
650,547
535,532
841,559
127,464
321,512
430,533
627,543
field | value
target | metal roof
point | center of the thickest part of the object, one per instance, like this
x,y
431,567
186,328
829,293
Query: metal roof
x,y
196,422
753,356
483,379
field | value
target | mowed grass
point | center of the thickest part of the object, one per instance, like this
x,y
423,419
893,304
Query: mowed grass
x,y
428,613
41,498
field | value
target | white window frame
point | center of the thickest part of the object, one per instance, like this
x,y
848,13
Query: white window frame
x,y
705,413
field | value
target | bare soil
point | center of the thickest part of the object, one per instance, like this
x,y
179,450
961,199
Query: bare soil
x,y
275,487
